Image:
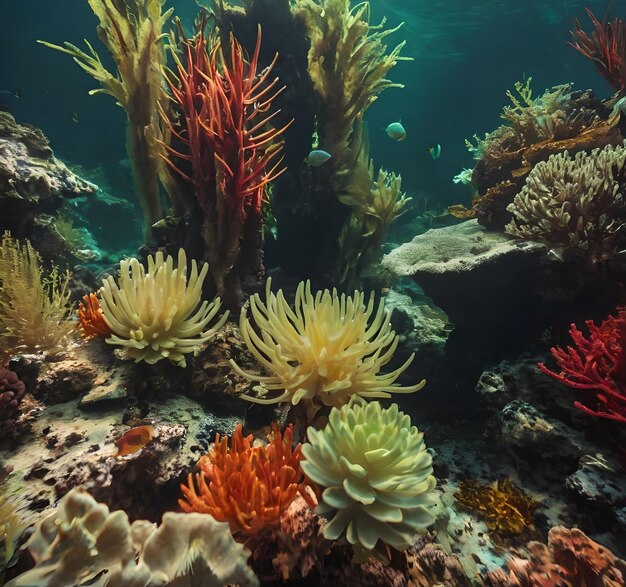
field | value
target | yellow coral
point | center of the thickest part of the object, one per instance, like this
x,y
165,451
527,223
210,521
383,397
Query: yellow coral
x,y
33,304
507,510
376,473
155,315
325,350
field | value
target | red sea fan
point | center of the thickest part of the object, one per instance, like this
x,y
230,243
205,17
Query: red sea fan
x,y
596,363
606,47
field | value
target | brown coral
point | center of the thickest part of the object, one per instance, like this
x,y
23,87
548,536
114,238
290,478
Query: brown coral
x,y
246,485
91,319
570,559
506,509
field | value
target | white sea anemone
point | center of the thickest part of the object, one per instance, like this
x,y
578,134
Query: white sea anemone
x,y
376,474
158,313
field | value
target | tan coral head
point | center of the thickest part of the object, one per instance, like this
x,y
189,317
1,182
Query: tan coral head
x,y
158,313
326,349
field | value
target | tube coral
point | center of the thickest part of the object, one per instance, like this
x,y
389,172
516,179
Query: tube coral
x,y
227,150
324,350
596,363
158,313
376,474
247,485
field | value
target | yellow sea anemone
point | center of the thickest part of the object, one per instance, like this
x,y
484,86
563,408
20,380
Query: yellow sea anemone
x,y
325,350
158,314
376,473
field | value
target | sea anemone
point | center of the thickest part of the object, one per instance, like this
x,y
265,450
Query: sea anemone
x,y
325,350
376,474
247,485
155,315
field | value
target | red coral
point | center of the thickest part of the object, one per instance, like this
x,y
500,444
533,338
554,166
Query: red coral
x,y
226,147
596,363
606,47
246,485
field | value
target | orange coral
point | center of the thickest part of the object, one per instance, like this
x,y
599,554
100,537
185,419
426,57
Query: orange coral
x,y
247,486
91,319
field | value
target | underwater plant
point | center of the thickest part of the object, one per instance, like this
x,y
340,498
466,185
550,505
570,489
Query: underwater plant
x,y
227,150
33,302
91,321
376,475
573,203
10,529
158,314
247,485
132,31
505,508
325,350
596,363
82,539
605,46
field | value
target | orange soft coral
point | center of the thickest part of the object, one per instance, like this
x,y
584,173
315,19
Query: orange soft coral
x,y
247,486
91,319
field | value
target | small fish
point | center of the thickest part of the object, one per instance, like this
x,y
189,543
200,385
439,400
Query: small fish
x,y
435,152
396,131
75,117
133,440
317,157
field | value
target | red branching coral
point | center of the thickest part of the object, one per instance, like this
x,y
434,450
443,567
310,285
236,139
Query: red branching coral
x,y
12,390
606,47
225,146
596,363
249,486
91,319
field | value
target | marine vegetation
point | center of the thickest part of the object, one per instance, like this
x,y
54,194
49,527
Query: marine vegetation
x,y
605,46
226,148
375,205
324,350
574,203
596,363
82,539
375,475
158,313
505,508
245,484
91,321
132,31
10,529
33,302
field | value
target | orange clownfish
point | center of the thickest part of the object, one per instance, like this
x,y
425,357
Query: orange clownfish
x,y
133,440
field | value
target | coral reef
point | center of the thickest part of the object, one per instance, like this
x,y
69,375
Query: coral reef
x,y
507,510
569,559
246,485
83,539
33,302
558,120
597,364
12,391
323,351
157,314
375,473
574,203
